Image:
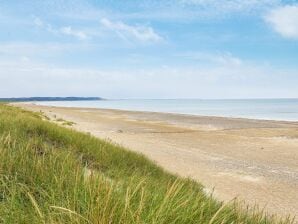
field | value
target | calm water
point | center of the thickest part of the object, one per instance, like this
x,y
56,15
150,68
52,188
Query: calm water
x,y
275,109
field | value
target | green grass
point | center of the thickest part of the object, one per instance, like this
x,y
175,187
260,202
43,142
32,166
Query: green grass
x,y
64,122
51,174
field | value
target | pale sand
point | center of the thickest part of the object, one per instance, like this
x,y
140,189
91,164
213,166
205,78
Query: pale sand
x,y
254,160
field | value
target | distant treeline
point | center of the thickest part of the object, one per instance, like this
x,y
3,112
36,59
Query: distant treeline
x,y
26,99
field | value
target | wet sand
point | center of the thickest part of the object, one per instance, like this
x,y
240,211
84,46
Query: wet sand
x,y
253,160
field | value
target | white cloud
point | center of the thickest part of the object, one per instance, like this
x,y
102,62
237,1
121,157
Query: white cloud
x,y
141,33
66,30
221,58
284,20
69,31
38,22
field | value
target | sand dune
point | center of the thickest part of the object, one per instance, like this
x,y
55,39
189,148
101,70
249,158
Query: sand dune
x,y
254,160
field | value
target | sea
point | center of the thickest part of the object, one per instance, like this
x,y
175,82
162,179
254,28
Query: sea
x,y
268,109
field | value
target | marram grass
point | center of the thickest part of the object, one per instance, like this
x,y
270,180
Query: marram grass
x,y
50,174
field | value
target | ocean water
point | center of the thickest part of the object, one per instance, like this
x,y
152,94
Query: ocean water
x,y
271,109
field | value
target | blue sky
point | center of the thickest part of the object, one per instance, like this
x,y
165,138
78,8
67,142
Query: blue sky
x,y
149,48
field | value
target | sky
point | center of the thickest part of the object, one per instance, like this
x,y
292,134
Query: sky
x,y
149,48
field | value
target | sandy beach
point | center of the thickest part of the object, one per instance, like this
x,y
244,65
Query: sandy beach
x,y
253,160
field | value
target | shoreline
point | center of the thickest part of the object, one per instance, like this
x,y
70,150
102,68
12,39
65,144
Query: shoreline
x,y
295,122
239,157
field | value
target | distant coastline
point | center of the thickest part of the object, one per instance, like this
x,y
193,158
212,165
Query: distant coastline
x,y
29,99
264,109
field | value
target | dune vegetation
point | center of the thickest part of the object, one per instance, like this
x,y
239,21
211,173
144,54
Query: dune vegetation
x,y
52,174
